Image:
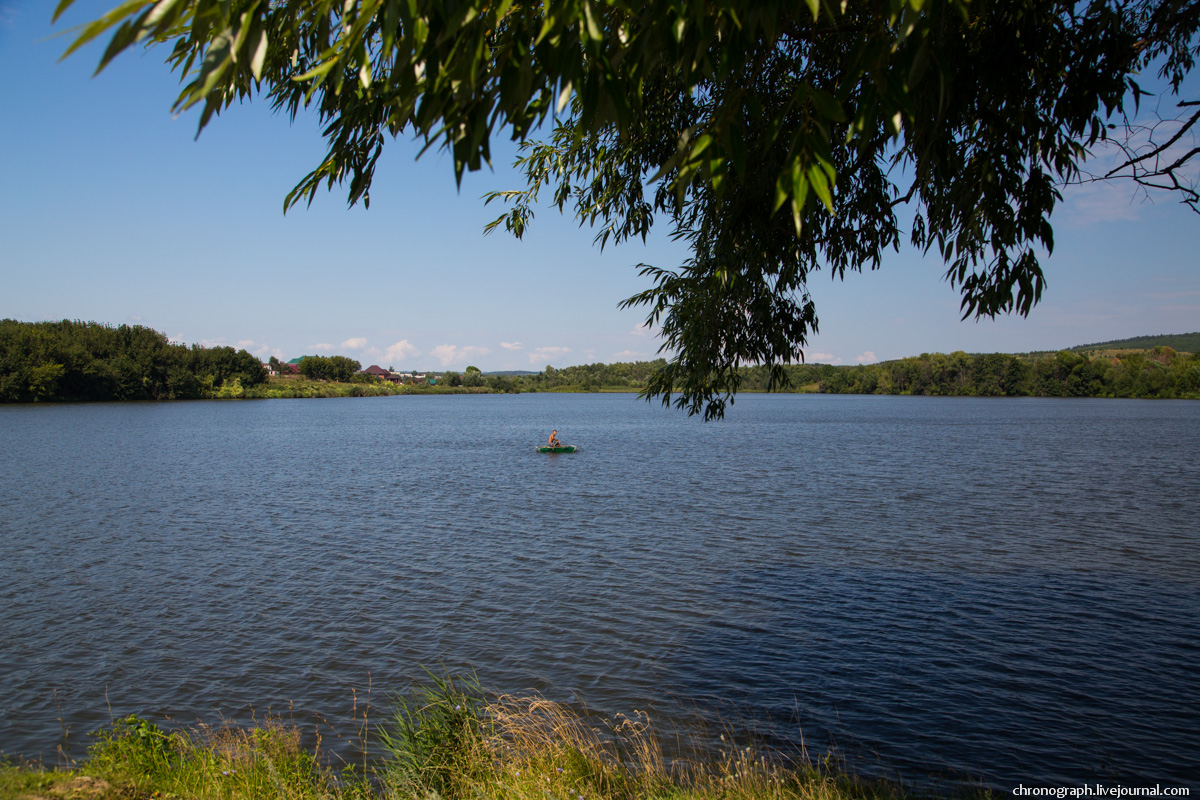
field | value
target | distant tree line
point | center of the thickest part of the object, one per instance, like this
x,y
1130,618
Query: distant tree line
x,y
622,376
1186,342
1159,373
72,360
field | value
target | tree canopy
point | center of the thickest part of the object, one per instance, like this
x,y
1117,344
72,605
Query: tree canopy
x,y
776,138
73,360
329,368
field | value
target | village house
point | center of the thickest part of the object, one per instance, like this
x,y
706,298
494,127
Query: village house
x,y
377,371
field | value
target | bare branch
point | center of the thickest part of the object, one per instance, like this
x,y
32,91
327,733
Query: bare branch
x,y
1152,162
1158,150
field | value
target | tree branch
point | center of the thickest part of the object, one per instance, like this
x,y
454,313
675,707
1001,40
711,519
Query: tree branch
x,y
1160,148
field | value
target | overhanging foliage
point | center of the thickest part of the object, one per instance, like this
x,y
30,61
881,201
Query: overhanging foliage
x,y
777,138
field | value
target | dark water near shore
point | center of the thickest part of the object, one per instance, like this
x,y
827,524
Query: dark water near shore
x,y
998,589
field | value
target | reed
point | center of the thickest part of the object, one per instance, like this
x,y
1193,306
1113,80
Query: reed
x,y
448,742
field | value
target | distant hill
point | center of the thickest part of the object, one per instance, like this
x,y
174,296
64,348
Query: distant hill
x,y
1183,342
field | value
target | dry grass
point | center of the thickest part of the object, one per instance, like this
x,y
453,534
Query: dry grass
x,y
624,759
530,748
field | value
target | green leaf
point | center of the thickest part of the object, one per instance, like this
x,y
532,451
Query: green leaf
x,y
318,70
260,56
826,105
781,192
213,68
62,6
564,96
160,12
594,31
800,187
391,17
99,26
820,183
126,35
702,143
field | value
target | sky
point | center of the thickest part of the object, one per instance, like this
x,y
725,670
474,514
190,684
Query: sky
x,y
112,210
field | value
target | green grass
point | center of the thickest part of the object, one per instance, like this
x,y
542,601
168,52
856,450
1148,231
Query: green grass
x,y
136,760
303,387
276,388
28,780
446,741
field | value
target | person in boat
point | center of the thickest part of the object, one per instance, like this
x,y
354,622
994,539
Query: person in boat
x,y
554,442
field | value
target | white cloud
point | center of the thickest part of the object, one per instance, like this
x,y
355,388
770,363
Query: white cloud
x,y
400,351
1101,202
328,348
258,349
263,351
511,345
822,358
450,353
356,343
542,353
866,358
445,353
640,330
1120,198
628,355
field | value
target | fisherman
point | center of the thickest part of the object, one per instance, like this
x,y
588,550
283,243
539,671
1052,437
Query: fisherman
x,y
554,442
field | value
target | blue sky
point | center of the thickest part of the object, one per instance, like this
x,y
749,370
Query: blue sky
x,y
111,210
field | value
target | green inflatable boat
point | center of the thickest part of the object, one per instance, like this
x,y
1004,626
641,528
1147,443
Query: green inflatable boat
x,y
566,448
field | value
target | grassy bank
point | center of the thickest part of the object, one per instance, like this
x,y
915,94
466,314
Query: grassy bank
x,y
277,387
446,742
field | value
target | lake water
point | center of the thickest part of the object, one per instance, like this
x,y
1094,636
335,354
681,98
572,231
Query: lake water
x,y
998,589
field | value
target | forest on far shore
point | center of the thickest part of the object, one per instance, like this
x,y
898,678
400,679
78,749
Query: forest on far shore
x,y
1160,372
64,361
72,360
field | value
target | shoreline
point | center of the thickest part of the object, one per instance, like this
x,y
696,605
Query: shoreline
x,y
450,740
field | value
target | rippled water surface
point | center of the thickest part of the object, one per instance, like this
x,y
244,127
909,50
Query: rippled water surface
x,y
999,589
